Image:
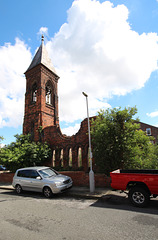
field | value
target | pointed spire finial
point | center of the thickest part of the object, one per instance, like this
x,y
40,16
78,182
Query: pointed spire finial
x,y
42,38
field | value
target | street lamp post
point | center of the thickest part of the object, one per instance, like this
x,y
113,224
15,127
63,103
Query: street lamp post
x,y
91,173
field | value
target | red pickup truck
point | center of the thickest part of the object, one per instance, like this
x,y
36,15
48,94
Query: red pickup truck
x,y
141,184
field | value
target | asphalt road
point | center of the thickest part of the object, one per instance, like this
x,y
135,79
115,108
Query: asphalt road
x,y
30,216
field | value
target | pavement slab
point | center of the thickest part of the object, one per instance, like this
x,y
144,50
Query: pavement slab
x,y
83,192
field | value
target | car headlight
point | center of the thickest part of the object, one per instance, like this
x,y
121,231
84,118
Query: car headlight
x,y
58,183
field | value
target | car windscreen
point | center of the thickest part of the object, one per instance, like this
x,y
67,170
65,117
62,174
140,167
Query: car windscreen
x,y
48,172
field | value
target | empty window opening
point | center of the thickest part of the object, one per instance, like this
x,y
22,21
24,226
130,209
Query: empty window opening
x,y
70,157
61,158
79,157
34,93
53,158
48,95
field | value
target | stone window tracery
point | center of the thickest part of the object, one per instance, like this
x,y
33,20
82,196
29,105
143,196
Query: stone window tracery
x,y
49,92
48,95
34,93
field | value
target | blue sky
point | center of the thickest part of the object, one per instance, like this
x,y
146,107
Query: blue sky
x,y
109,49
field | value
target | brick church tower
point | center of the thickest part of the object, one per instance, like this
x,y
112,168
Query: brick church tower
x,y
41,97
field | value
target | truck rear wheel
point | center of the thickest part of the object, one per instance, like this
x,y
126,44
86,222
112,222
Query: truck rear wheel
x,y
139,197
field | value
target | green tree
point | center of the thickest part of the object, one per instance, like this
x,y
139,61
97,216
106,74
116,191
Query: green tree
x,y
24,153
118,141
1,138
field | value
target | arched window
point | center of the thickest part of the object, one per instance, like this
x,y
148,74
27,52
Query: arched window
x,y
48,95
79,157
34,92
53,159
70,157
61,158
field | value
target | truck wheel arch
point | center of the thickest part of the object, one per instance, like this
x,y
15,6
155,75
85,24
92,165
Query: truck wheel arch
x,y
138,184
138,196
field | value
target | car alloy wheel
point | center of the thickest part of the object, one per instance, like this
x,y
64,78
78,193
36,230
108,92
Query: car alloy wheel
x,y
18,189
47,192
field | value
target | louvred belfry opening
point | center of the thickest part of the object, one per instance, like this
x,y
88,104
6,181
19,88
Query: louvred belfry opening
x,y
41,97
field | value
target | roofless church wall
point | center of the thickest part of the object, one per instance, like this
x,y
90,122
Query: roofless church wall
x,y
41,112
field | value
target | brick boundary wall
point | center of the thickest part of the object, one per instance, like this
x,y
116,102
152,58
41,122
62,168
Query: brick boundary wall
x,y
6,177
79,178
82,179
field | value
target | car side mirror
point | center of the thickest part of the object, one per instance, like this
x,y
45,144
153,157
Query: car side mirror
x,y
38,178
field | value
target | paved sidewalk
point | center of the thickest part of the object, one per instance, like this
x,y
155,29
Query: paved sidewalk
x,y
6,186
82,192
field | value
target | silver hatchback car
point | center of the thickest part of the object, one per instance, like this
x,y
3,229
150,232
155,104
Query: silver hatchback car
x,y
41,179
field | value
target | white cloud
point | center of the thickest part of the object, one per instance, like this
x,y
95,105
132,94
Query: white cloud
x,y
14,60
2,145
71,129
96,51
43,30
153,114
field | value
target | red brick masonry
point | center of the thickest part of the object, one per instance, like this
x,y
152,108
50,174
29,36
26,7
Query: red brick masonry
x,y
6,177
79,178
41,120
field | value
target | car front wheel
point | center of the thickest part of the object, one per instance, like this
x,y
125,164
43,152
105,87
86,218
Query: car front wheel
x,y
18,189
47,192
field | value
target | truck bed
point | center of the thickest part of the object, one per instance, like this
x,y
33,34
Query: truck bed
x,y
141,184
122,178
145,171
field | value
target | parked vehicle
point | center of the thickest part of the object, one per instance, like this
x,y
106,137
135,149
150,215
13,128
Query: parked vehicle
x,y
2,168
142,184
41,179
